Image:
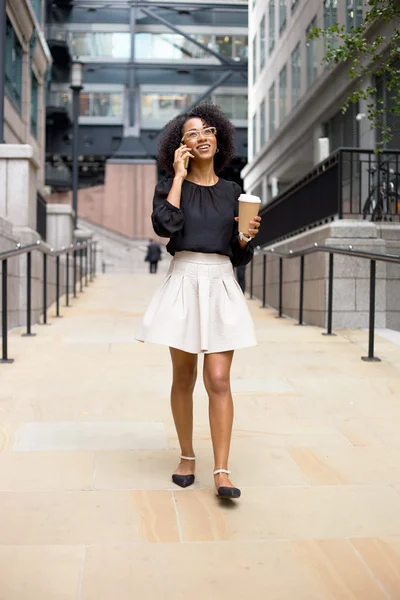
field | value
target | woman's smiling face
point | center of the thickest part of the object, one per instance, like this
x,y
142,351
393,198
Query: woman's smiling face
x,y
203,147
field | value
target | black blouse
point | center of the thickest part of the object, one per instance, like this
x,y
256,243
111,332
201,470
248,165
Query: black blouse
x,y
204,222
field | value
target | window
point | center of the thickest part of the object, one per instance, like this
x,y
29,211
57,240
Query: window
x,y
162,107
262,124
296,76
343,130
37,7
153,46
311,55
330,19
224,44
106,105
262,43
282,94
271,29
330,13
282,16
100,104
354,13
104,44
240,47
254,135
103,105
61,99
172,46
386,98
271,96
234,106
34,104
254,59
13,68
294,5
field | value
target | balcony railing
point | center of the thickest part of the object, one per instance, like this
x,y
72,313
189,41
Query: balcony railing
x,y
350,184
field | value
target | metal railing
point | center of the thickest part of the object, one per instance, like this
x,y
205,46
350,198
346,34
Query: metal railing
x,y
351,183
41,216
374,257
84,252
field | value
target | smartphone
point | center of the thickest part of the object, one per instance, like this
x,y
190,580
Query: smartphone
x,y
186,163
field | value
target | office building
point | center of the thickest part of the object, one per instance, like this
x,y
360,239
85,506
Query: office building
x,y
26,69
295,102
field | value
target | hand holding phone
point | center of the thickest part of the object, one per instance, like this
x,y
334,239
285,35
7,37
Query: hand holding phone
x,y
186,161
181,166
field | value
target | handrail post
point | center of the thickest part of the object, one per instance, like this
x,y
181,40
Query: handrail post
x,y
301,289
58,286
340,184
86,267
91,261
264,291
74,275
44,288
251,278
28,296
95,260
4,334
330,296
280,315
81,270
67,280
372,288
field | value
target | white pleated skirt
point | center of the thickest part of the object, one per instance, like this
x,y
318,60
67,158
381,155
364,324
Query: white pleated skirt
x,y
199,307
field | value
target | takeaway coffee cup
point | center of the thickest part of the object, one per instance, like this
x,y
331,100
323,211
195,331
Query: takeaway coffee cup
x,y
248,209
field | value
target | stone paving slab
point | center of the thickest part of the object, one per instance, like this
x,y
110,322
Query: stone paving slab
x,y
87,445
90,435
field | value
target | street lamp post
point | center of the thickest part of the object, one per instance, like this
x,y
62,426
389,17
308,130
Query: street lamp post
x,y
76,87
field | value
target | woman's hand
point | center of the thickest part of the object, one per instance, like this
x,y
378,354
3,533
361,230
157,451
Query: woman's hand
x,y
254,226
179,161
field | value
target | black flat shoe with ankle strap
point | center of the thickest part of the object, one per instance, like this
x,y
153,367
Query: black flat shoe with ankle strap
x,y
227,493
184,480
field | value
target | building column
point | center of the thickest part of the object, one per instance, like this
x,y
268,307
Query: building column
x,y
18,185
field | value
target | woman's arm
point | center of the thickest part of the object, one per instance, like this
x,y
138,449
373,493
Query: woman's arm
x,y
174,197
167,218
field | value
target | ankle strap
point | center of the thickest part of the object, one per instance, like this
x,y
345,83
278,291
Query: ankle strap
x,y
188,457
222,471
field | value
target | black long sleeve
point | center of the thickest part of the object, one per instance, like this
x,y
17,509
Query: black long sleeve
x,y
205,222
167,219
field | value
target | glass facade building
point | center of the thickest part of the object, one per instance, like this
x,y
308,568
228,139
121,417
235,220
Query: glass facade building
x,y
173,69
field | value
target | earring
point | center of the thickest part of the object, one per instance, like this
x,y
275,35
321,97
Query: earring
x,y
217,150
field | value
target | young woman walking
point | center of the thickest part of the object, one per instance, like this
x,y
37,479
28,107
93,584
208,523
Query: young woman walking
x,y
200,307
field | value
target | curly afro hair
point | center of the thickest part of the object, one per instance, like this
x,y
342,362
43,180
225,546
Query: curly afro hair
x,y
171,136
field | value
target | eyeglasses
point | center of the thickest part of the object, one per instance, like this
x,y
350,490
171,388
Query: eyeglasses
x,y
193,134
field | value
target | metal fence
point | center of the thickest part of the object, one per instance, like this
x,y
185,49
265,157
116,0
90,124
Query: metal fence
x,y
84,260
351,183
372,257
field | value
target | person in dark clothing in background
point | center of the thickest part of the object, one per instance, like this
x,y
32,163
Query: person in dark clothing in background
x,y
241,277
153,255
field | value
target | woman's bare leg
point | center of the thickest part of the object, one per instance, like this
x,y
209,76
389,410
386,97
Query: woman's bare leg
x,y
217,367
184,367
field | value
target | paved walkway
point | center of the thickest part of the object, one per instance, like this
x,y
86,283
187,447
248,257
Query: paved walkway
x,y
87,509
